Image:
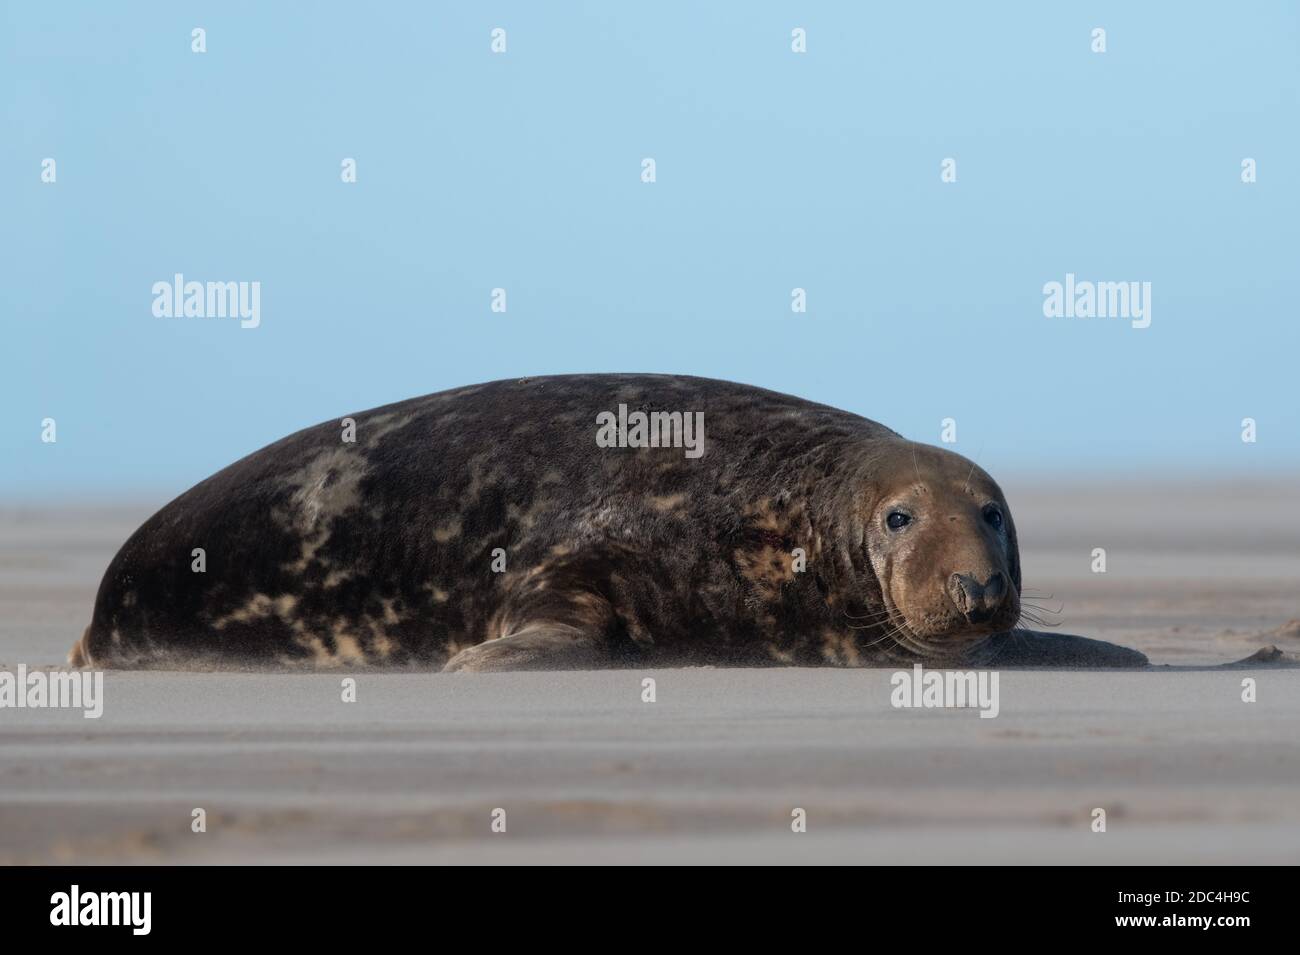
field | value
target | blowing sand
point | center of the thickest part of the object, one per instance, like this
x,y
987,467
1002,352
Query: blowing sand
x,y
586,771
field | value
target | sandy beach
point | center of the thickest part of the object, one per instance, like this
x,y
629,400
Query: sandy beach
x,y
710,772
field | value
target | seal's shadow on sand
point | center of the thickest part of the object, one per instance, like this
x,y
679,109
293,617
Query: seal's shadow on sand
x,y
1015,650
1030,649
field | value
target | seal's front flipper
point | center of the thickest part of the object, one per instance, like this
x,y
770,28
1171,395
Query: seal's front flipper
x,y
561,615
538,646
1029,648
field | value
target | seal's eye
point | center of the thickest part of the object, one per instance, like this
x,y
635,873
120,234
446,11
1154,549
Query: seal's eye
x,y
897,520
993,516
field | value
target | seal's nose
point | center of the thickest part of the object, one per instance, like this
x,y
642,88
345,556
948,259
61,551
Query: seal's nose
x,y
977,602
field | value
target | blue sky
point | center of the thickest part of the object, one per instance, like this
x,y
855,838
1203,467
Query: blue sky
x,y
775,170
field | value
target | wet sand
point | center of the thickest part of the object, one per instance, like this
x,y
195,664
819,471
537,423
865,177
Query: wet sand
x,y
712,770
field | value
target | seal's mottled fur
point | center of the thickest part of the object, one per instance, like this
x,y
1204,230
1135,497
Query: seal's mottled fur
x,y
382,551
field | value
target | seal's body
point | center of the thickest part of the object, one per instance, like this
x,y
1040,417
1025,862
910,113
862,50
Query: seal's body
x,y
577,521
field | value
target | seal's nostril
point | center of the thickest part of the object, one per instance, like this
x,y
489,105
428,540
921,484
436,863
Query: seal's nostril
x,y
963,591
974,600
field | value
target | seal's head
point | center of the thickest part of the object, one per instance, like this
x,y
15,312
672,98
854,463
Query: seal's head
x,y
943,549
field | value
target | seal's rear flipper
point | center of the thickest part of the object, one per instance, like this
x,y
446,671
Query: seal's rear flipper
x,y
1269,656
77,656
1029,648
